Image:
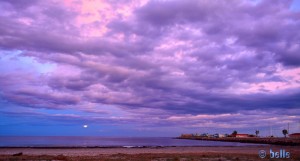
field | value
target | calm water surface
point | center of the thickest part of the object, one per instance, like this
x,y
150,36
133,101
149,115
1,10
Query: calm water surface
x,y
94,141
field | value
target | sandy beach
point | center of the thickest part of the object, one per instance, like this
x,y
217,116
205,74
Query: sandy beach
x,y
153,154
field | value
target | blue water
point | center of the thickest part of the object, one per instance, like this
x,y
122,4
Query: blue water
x,y
94,141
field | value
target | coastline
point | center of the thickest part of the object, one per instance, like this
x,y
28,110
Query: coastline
x,y
208,152
147,153
255,140
116,150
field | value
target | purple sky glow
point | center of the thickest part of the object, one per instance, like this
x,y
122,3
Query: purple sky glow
x,y
149,68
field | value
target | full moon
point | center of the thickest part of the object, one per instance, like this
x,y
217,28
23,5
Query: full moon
x,y
85,126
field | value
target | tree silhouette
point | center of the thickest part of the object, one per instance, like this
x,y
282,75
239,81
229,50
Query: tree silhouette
x,y
256,132
234,133
284,132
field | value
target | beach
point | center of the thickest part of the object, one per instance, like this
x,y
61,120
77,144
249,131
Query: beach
x,y
146,153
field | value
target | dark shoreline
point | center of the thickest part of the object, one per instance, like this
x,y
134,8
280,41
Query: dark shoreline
x,y
254,140
116,147
80,147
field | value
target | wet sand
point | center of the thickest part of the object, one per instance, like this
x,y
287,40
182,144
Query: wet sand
x,y
147,153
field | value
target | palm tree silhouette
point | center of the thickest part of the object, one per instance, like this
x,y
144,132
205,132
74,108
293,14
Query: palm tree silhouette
x,y
256,132
284,132
234,133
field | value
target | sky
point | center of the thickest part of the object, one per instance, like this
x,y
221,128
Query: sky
x,y
149,68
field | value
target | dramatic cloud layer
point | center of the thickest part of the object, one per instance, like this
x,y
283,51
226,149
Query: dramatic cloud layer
x,y
143,66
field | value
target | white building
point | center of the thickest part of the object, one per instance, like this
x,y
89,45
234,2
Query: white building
x,y
217,135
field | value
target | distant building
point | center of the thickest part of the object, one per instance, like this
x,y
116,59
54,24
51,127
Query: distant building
x,y
251,135
186,135
204,135
242,135
210,135
295,135
218,135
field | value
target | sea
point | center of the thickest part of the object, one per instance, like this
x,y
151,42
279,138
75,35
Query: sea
x,y
97,141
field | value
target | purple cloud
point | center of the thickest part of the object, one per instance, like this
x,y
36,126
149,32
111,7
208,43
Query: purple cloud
x,y
179,59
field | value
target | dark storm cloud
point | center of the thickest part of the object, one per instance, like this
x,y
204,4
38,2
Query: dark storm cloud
x,y
41,100
19,4
253,25
182,57
171,12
